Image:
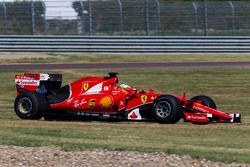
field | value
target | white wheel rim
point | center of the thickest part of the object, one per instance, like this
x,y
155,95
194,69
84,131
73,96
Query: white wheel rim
x,y
163,109
24,105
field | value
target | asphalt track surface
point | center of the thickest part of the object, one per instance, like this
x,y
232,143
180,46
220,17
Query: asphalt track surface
x,y
174,65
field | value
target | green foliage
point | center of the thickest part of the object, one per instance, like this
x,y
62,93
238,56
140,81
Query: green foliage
x,y
19,16
78,7
176,17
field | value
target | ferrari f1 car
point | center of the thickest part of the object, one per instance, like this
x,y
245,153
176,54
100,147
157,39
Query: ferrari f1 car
x,y
41,95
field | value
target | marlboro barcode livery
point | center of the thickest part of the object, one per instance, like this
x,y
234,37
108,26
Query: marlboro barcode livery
x,y
41,95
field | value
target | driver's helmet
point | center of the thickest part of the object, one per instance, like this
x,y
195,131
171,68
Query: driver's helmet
x,y
125,87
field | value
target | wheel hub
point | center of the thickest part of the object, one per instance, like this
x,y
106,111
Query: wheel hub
x,y
24,105
163,109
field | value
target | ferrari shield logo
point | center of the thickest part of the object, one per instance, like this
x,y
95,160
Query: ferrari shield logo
x,y
86,86
144,99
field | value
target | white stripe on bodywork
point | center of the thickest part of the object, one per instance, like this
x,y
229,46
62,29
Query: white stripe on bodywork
x,y
44,77
210,115
95,89
70,91
232,115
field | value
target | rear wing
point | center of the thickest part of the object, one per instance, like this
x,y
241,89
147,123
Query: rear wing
x,y
41,83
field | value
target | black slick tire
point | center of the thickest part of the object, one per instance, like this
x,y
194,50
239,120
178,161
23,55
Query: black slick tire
x,y
30,105
167,109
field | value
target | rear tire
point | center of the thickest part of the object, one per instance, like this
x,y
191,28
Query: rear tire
x,y
30,105
205,100
167,109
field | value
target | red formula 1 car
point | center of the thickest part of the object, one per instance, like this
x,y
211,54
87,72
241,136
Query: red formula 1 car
x,y
41,95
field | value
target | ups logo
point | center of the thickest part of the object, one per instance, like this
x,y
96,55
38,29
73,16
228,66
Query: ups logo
x,y
92,103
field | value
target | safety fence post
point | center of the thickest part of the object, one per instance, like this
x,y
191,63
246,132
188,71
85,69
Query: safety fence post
x,y
5,24
80,27
90,17
45,29
233,15
205,18
121,16
146,16
158,15
33,17
195,16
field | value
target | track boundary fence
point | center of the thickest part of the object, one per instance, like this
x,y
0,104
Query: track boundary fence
x,y
125,44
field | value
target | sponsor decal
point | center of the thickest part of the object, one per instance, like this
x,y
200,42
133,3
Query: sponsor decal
x,y
210,115
106,115
121,103
197,107
81,113
44,77
20,86
106,102
106,88
92,103
197,117
28,77
27,82
85,86
144,98
78,103
135,115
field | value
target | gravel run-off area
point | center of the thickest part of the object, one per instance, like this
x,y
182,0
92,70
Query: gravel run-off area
x,y
12,156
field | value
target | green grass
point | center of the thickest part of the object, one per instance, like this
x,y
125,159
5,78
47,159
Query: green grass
x,y
218,142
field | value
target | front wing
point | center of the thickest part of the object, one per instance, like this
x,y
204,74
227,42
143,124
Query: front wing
x,y
199,113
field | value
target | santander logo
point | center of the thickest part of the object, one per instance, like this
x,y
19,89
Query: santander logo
x,y
197,117
133,116
27,82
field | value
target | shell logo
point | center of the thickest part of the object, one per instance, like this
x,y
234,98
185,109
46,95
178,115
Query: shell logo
x,y
106,102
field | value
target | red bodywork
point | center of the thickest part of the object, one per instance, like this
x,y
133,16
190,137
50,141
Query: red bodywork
x,y
101,96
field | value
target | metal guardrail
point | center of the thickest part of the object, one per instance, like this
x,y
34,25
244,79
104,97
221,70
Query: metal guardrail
x,y
126,44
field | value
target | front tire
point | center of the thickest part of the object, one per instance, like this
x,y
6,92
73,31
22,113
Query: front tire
x,y
205,100
167,109
30,105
